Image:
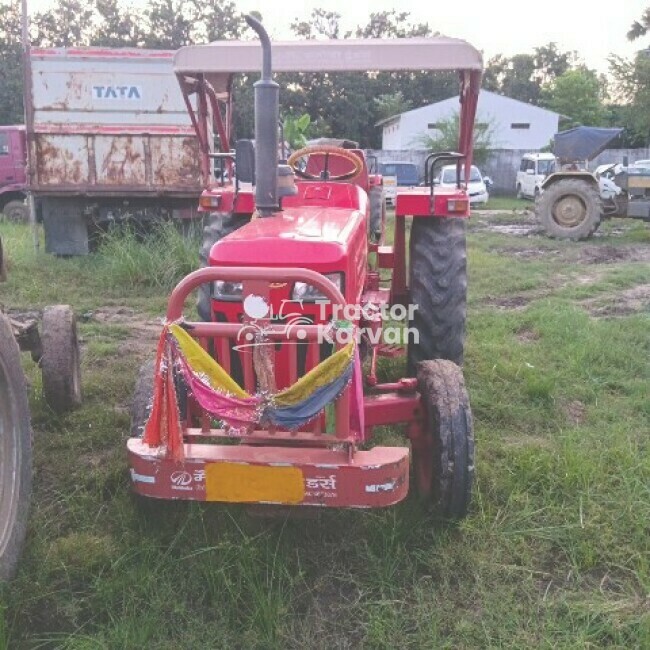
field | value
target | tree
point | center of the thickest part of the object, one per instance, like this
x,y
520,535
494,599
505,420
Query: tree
x,y
577,94
551,63
118,27
175,23
522,76
321,23
11,79
632,89
640,27
391,24
446,138
392,104
513,77
70,23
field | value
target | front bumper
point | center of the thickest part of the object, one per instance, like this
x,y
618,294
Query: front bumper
x,y
479,199
337,476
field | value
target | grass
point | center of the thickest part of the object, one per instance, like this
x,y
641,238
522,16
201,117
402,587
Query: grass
x,y
505,203
555,551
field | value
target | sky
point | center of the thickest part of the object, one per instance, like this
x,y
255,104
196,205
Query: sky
x,y
595,29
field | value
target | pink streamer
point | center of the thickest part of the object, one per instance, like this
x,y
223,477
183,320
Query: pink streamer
x,y
235,411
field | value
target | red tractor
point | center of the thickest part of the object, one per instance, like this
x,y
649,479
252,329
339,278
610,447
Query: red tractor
x,y
272,397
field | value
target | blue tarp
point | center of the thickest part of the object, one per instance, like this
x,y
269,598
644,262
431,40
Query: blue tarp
x,y
583,142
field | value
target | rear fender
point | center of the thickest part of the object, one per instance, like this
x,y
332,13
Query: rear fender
x,y
564,175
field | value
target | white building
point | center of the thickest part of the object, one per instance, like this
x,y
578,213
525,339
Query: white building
x,y
515,124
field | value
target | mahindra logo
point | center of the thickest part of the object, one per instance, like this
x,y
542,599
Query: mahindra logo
x,y
181,478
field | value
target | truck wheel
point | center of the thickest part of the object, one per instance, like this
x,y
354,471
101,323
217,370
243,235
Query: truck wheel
x,y
438,284
520,194
60,363
15,453
569,209
16,211
443,462
219,225
377,213
142,398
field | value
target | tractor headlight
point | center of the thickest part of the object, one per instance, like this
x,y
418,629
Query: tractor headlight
x,y
223,290
304,291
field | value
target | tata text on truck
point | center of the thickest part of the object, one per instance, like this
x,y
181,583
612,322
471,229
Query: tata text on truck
x,y
109,139
284,366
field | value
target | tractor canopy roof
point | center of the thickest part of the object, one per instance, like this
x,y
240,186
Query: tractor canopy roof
x,y
583,142
220,60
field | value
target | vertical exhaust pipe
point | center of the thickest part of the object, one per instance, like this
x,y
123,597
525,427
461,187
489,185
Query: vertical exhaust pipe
x,y
267,117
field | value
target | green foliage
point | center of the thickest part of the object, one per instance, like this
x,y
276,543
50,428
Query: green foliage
x,y
522,76
445,138
392,104
632,87
11,81
159,260
296,130
578,94
640,27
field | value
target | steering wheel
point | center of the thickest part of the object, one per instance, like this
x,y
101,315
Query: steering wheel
x,y
327,151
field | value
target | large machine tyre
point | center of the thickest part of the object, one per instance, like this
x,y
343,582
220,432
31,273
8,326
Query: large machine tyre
x,y
15,453
142,398
142,401
438,287
61,360
16,211
377,212
219,225
444,462
569,209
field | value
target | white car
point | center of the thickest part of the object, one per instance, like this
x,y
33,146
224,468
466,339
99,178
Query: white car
x,y
534,168
477,188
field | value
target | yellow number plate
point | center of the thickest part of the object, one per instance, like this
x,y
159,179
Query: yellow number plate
x,y
240,483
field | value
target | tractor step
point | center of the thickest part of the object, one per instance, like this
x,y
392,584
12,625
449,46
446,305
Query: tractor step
x,y
296,476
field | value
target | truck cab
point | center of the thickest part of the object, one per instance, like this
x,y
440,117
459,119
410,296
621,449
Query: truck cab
x,y
13,172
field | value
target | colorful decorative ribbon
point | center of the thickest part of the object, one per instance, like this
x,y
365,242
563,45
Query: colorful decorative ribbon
x,y
220,396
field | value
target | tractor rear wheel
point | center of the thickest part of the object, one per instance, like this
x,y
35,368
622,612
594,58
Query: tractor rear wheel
x,y
61,360
438,285
15,453
377,213
569,209
443,461
219,225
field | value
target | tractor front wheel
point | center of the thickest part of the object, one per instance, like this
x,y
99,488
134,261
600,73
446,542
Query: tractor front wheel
x,y
443,457
438,284
142,398
61,361
15,453
219,225
569,209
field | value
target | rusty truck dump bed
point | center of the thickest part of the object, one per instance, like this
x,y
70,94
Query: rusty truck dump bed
x,y
109,122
